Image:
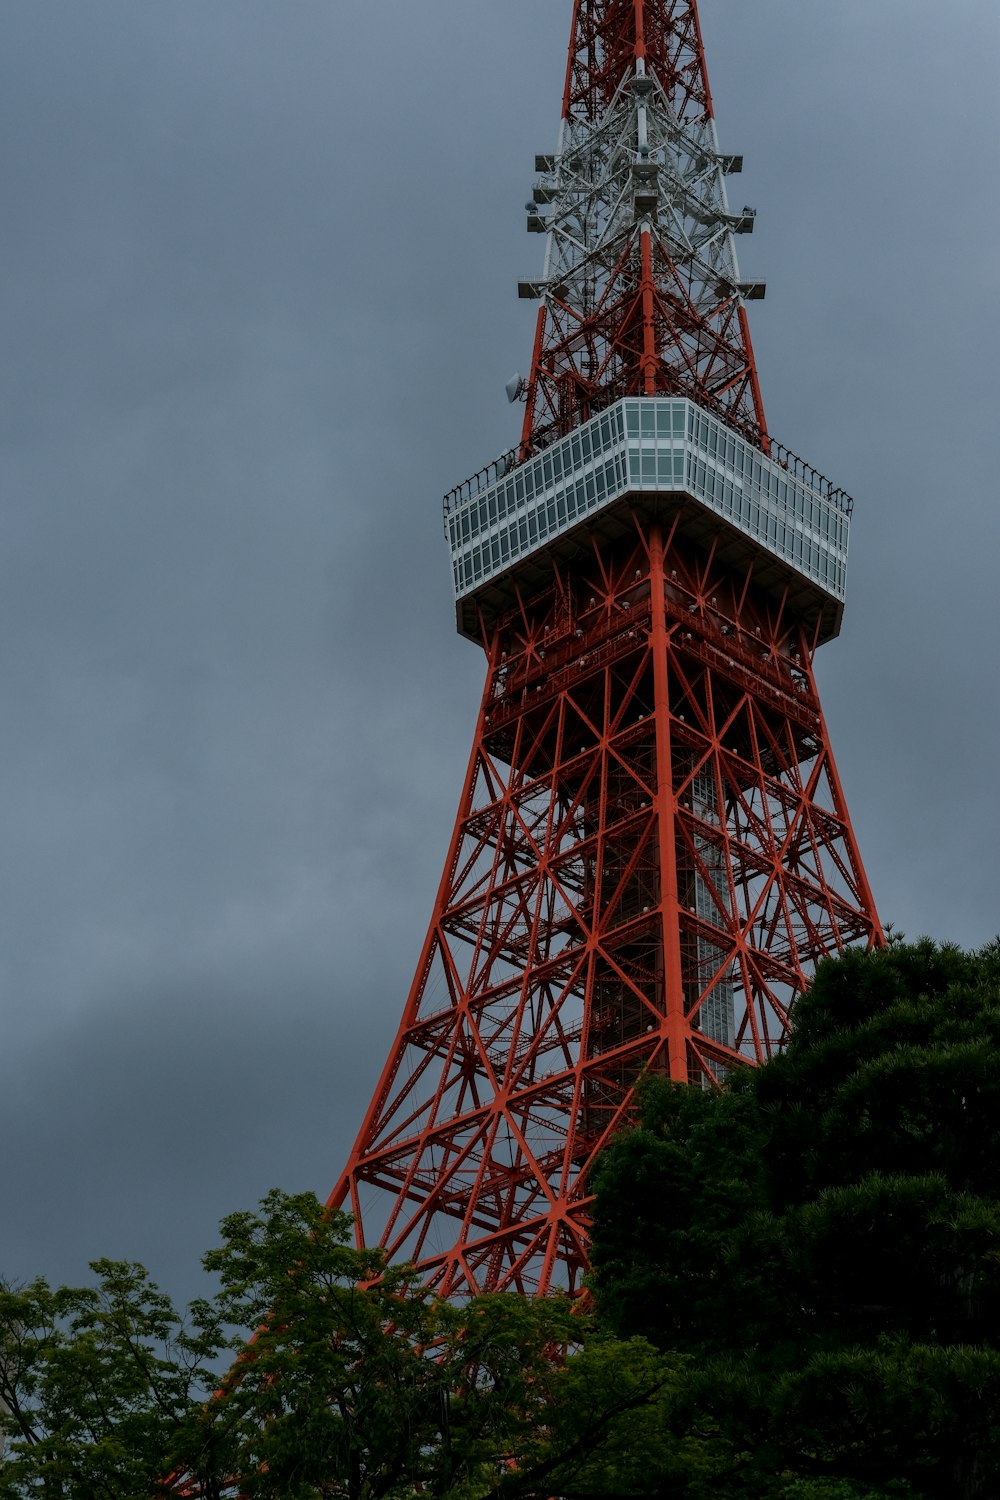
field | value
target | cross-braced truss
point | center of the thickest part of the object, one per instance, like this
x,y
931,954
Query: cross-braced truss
x,y
651,853
641,289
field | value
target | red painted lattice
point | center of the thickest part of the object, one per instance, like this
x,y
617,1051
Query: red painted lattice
x,y
652,849
651,823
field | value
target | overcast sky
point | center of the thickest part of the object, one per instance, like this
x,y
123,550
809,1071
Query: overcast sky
x,y
258,262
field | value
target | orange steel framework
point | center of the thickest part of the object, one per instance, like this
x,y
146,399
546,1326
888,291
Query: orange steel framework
x,y
652,848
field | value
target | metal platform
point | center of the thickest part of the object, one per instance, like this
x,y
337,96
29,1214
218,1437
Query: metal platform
x,y
664,454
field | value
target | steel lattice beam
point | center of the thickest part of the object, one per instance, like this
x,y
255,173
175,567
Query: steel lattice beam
x,y
652,852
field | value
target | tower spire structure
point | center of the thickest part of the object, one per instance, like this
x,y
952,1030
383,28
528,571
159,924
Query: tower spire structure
x,y
652,849
642,291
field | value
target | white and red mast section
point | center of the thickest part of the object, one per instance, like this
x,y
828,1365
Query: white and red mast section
x,y
641,292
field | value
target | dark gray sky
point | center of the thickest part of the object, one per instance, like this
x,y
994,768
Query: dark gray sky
x,y
257,308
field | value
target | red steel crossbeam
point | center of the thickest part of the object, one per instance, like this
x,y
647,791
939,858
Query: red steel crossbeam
x,y
651,831
608,35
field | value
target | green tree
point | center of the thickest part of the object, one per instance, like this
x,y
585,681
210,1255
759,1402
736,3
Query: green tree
x,y
354,1384
358,1384
99,1384
797,1289
822,1238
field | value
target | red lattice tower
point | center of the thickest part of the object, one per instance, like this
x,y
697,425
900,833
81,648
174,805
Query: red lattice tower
x,y
652,848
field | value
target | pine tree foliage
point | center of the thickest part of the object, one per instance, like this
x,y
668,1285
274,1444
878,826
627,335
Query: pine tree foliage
x,y
822,1238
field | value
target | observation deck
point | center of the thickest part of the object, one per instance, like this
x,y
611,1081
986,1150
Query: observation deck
x,y
651,456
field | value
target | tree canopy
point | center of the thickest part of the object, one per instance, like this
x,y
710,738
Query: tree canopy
x,y
796,1296
822,1237
346,1380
